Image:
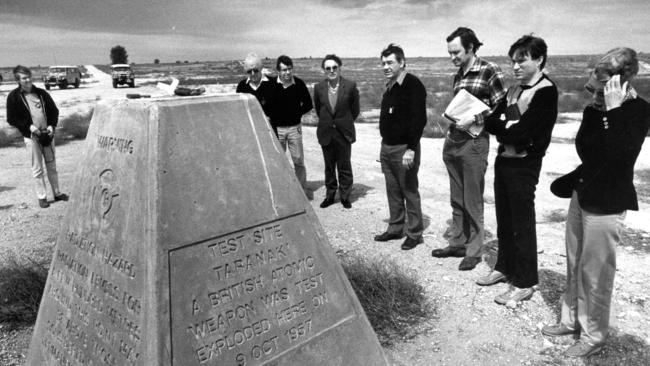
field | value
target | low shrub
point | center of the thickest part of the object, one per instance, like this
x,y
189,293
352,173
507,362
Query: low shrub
x,y
22,281
392,299
10,137
75,126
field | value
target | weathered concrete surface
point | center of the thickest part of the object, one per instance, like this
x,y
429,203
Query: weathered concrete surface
x,y
188,241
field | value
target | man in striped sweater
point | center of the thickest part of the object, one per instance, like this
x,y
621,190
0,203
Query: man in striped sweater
x,y
523,123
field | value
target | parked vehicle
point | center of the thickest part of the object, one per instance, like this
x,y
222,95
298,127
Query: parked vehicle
x,y
122,74
62,76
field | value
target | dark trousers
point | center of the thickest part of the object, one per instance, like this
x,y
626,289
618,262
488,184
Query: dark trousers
x,y
337,158
466,162
514,194
402,191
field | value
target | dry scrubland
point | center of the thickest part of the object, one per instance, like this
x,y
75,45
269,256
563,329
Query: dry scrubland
x,y
443,318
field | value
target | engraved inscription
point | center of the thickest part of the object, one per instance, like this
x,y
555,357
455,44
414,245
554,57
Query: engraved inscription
x,y
119,144
245,297
103,255
95,318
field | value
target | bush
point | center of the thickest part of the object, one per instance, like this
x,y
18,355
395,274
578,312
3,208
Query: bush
x,y
10,137
392,299
22,281
75,126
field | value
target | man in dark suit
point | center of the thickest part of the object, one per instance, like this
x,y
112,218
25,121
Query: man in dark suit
x,y
336,101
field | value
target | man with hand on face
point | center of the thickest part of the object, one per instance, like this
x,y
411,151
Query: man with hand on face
x,y
33,112
466,149
401,122
336,101
290,102
257,83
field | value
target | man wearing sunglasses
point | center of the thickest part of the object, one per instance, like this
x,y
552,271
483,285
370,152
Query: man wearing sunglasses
x,y
290,102
257,83
336,101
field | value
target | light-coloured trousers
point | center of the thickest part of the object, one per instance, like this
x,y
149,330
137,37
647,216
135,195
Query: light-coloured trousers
x,y
591,241
292,136
42,155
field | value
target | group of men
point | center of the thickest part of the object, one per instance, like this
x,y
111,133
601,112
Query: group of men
x,y
286,98
402,121
520,117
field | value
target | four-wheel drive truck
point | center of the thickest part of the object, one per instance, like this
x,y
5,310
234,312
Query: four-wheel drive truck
x,y
62,76
122,74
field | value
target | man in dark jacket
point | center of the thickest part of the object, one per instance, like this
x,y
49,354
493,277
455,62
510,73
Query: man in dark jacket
x,y
291,100
401,122
336,101
33,112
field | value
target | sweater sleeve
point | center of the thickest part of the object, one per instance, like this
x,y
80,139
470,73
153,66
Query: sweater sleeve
x,y
305,100
418,113
540,115
494,124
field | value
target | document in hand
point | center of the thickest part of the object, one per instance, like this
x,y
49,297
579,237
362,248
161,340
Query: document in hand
x,y
463,105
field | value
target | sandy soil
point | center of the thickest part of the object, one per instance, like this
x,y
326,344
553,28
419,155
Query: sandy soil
x,y
469,328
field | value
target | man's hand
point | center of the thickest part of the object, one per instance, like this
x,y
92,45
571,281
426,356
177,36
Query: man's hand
x,y
50,131
614,92
464,123
408,158
35,131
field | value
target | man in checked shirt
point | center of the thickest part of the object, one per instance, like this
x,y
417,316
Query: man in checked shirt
x,y
465,150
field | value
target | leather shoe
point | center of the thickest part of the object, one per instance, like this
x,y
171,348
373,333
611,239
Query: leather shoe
x,y
583,349
346,203
448,251
61,197
386,236
468,263
491,279
503,298
558,330
327,202
43,203
515,294
411,243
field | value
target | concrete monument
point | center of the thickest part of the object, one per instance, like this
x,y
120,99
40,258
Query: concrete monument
x,y
189,241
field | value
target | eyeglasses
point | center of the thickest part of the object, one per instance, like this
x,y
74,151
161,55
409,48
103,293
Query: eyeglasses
x,y
252,71
331,68
594,85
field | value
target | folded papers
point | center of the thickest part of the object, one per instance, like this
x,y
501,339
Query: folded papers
x,y
464,105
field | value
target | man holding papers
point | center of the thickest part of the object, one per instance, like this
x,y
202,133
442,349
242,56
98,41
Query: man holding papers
x,y
466,146
522,123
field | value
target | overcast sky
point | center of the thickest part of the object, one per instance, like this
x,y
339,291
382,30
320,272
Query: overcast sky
x,y
46,32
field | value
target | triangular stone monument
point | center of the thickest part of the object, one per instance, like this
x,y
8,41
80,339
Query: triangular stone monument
x,y
188,241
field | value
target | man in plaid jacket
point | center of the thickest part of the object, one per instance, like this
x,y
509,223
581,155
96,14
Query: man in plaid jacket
x,y
465,151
